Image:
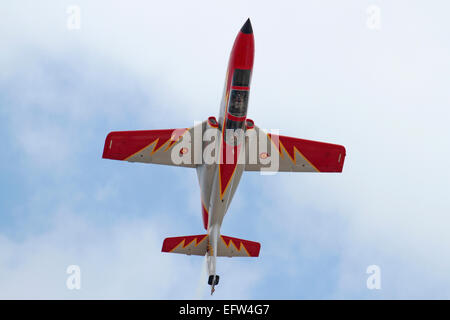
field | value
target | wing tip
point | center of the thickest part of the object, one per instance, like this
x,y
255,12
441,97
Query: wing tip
x,y
107,148
341,158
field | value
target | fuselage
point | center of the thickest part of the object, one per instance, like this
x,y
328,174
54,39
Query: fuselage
x,y
219,181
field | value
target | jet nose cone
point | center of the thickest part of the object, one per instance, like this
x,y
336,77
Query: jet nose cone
x,y
247,27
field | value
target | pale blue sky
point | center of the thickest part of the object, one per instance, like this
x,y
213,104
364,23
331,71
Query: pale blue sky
x,y
319,74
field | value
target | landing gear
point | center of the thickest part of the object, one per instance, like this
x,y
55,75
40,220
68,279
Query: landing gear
x,y
211,279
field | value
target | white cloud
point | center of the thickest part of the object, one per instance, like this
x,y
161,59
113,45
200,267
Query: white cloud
x,y
120,261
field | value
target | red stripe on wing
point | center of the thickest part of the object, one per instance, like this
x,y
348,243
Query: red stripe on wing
x,y
325,157
120,145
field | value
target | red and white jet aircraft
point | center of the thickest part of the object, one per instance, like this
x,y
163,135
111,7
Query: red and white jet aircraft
x,y
218,179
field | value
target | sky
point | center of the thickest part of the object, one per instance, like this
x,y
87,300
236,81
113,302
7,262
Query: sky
x,y
324,70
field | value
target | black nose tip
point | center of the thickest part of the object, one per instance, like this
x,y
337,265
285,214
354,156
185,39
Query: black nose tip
x,y
247,27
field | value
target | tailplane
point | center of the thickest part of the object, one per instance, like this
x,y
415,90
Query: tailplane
x,y
190,245
198,246
234,247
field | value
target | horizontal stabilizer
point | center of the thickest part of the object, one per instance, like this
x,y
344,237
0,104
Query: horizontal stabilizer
x,y
233,247
190,245
198,246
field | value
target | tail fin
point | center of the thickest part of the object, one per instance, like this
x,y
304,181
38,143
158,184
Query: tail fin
x,y
233,247
190,245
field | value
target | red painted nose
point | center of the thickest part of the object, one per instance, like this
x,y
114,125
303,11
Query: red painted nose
x,y
243,49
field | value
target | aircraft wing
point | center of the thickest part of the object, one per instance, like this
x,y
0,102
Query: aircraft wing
x,y
294,154
169,146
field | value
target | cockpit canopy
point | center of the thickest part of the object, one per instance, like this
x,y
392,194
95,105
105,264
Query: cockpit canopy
x,y
239,97
238,103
